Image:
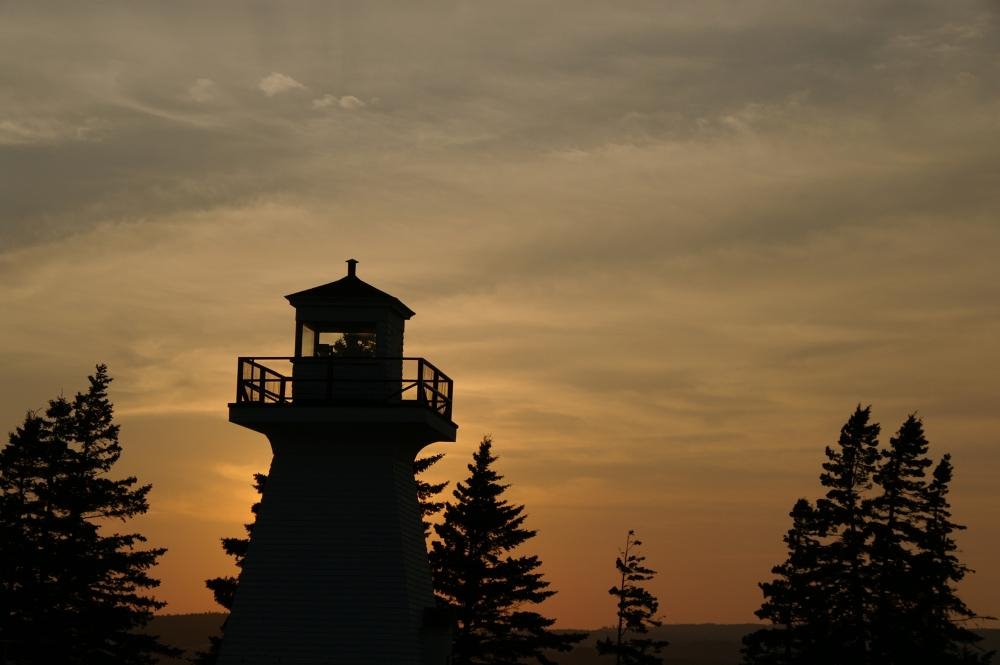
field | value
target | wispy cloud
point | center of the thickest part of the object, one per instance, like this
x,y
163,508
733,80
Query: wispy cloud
x,y
40,131
203,90
348,102
671,243
276,83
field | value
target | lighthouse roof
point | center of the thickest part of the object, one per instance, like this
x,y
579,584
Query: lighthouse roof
x,y
350,290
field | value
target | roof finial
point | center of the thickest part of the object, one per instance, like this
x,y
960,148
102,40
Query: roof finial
x,y
352,267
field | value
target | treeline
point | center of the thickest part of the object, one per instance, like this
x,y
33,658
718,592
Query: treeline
x,y
872,565
870,575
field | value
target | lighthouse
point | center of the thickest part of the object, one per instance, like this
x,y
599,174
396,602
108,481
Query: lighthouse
x,y
336,571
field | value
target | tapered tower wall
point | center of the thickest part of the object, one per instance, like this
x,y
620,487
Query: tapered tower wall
x,y
337,568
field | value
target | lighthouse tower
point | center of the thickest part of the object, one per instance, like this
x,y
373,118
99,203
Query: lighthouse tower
x,y
337,567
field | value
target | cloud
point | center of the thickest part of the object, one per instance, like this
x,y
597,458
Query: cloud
x,y
31,131
276,83
15,132
348,102
674,221
203,90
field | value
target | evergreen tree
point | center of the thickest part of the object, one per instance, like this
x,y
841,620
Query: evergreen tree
x,y
427,492
354,345
937,610
795,601
896,527
478,574
843,514
637,608
819,604
224,588
871,570
74,589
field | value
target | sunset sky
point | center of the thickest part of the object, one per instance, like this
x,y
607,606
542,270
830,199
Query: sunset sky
x,y
662,248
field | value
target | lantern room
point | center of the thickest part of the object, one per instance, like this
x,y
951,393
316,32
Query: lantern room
x,y
348,318
348,353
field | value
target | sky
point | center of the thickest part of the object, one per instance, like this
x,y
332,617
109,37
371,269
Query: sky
x,y
663,249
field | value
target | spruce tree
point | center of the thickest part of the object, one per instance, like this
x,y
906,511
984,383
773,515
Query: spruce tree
x,y
896,531
937,611
844,516
427,492
795,601
354,345
75,590
871,570
224,588
480,574
637,608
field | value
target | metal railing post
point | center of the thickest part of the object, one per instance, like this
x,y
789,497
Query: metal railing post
x,y
239,379
437,395
451,393
421,386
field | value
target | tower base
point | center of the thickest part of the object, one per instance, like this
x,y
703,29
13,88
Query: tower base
x,y
336,571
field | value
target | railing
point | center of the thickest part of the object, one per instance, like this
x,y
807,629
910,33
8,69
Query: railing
x,y
343,381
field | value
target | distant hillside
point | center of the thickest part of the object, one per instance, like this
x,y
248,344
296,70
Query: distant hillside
x,y
701,644
186,631
690,644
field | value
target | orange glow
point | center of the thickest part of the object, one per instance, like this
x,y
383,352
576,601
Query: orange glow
x,y
662,252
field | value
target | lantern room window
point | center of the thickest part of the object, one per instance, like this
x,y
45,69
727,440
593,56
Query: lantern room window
x,y
339,340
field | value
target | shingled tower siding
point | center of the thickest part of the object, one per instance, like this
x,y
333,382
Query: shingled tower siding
x,y
337,570
337,567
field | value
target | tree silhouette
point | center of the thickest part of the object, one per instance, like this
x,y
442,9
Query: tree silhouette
x,y
795,601
224,588
637,608
477,574
428,492
871,569
937,611
896,533
844,515
74,590
354,345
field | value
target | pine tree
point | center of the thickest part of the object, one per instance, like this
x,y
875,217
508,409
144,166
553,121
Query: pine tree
x,y
637,608
844,515
795,601
937,609
478,574
819,603
354,345
224,588
896,532
871,570
428,492
74,589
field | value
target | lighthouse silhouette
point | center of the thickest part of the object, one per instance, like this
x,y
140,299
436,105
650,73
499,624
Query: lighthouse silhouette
x,y
336,571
